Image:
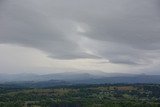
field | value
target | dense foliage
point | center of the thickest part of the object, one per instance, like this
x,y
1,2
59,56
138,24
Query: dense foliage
x,y
117,95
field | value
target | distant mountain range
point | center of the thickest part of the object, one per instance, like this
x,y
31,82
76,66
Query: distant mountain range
x,y
70,78
66,76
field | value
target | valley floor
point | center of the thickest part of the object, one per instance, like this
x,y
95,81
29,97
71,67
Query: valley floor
x,y
117,95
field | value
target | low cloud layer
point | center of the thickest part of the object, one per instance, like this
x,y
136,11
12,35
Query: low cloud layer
x,y
118,32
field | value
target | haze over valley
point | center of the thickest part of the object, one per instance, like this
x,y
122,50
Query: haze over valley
x,y
79,53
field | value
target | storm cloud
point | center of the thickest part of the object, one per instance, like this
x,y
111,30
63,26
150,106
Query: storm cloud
x,y
123,32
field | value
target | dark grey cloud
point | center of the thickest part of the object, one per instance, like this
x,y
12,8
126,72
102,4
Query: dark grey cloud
x,y
135,24
25,25
124,32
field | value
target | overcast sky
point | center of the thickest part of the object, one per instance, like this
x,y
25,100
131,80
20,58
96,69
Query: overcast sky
x,y
48,36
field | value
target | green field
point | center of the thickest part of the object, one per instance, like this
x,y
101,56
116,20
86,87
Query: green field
x,y
118,95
